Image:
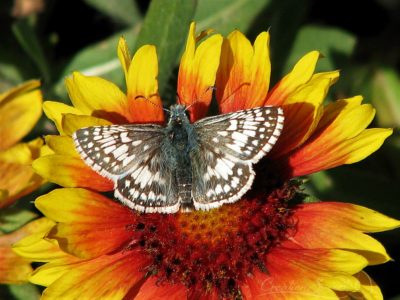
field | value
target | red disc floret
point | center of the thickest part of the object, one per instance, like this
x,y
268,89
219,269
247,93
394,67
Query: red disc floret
x,y
215,249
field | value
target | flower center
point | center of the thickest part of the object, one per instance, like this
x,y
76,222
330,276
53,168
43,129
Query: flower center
x,y
215,249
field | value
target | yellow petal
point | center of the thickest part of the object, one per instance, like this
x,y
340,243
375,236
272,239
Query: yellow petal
x,y
71,123
301,74
17,176
69,171
61,145
144,104
96,96
122,267
124,56
340,138
342,265
369,289
47,274
346,118
55,110
197,73
19,112
143,72
363,145
34,247
333,153
19,90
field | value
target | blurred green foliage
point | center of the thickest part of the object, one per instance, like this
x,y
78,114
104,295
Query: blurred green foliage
x,y
82,35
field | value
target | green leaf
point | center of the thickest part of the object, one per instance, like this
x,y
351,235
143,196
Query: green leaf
x,y
385,96
166,26
226,15
123,11
13,218
99,59
26,36
336,45
23,292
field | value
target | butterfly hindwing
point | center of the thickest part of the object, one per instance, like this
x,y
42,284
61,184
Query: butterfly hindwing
x,y
150,187
222,179
229,145
130,156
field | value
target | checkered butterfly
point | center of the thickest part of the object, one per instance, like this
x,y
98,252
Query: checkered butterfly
x,y
183,165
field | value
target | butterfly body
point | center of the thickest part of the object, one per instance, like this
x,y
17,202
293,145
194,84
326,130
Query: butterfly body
x,y
183,165
180,142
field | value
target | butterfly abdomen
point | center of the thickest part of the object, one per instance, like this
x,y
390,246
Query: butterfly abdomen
x,y
179,146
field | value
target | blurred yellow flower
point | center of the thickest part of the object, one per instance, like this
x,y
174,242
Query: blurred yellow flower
x,y
20,109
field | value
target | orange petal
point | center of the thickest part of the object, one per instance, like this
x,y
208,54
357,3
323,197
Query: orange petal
x,y
305,274
340,138
105,277
20,109
69,171
144,104
17,176
244,72
14,268
152,290
197,73
97,97
341,225
81,229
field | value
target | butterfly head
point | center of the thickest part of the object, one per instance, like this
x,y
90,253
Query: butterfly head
x,y
178,115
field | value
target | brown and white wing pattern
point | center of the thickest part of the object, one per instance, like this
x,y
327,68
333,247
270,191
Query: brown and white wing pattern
x,y
130,156
229,145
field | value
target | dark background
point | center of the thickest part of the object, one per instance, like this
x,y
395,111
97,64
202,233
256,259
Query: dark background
x,y
50,39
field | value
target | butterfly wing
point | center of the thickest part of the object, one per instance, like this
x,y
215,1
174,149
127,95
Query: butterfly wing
x,y
131,156
229,145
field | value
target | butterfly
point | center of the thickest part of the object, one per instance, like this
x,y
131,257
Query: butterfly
x,y
183,165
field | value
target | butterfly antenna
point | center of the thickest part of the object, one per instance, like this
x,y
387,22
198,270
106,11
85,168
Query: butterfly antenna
x,y
155,104
234,92
196,101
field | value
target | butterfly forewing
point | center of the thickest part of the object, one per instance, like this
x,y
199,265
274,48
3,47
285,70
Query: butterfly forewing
x,y
130,155
247,134
229,145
